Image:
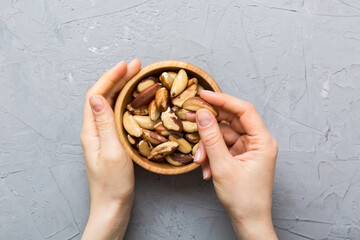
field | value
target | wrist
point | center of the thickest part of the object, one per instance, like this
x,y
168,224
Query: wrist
x,y
261,228
114,211
108,219
111,205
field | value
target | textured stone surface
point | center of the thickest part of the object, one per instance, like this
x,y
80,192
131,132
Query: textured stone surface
x,y
298,61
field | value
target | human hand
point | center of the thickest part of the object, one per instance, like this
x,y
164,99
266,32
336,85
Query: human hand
x,y
109,168
240,156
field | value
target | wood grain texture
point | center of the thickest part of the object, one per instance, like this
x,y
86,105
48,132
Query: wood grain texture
x,y
125,97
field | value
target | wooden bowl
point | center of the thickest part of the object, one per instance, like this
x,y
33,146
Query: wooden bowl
x,y
125,98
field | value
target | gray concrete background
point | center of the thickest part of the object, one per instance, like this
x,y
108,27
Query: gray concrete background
x,y
298,61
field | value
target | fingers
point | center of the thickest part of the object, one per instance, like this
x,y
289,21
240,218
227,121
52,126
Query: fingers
x,y
190,116
206,170
202,159
239,146
232,119
233,140
224,115
132,69
249,118
200,155
229,134
108,85
105,122
109,79
212,138
102,86
112,81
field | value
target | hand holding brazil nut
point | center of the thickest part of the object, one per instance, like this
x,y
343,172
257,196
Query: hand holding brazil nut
x,y
241,158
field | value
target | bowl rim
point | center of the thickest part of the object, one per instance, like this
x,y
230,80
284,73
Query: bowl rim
x,y
120,106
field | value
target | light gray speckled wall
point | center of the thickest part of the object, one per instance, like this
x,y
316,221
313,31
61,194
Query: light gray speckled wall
x,y
298,61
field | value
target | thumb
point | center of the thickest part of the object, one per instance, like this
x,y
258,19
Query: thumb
x,y
105,122
212,138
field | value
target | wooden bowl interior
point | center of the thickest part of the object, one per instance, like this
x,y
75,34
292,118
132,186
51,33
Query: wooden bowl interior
x,y
125,97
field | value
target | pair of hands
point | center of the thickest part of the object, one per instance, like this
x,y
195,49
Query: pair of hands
x,y
239,156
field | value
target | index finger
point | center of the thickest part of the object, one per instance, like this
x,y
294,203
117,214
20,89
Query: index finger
x,y
249,118
108,80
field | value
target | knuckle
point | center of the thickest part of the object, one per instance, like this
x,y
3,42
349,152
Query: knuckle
x,y
104,124
249,107
89,93
272,145
268,140
211,139
275,144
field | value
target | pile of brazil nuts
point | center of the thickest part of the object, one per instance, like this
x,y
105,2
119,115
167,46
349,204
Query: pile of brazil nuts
x,y
155,119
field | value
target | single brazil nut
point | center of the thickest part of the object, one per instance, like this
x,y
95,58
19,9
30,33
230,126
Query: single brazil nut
x,y
143,110
135,93
182,113
162,99
145,122
193,137
186,94
179,134
175,108
184,146
160,129
171,121
145,83
192,81
194,149
130,125
134,141
153,137
200,88
162,150
145,148
145,96
179,159
154,112
196,103
167,78
189,127
179,83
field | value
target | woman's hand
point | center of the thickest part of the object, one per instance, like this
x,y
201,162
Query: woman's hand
x,y
240,156
109,168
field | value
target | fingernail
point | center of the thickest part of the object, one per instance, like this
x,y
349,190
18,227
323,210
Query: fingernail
x,y
197,155
119,63
206,173
96,103
204,117
132,61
